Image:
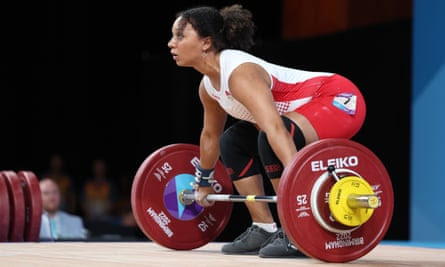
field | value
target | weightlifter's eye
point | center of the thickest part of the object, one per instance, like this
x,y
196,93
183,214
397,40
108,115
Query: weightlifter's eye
x,y
179,36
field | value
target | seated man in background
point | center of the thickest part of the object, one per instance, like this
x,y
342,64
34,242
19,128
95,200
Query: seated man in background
x,y
58,224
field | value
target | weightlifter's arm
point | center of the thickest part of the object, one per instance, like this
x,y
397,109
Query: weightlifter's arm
x,y
214,120
213,125
250,85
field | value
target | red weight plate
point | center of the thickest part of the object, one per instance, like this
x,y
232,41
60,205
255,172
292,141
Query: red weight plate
x,y
17,211
297,203
157,209
4,210
33,205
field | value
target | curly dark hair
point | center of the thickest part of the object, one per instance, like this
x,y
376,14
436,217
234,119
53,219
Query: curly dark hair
x,y
230,27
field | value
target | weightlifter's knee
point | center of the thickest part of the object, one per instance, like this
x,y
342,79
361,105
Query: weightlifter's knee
x,y
272,165
239,152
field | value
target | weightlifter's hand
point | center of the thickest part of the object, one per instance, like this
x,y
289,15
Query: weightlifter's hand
x,y
203,181
200,196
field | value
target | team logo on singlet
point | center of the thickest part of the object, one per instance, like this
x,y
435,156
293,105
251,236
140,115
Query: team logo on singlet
x,y
346,102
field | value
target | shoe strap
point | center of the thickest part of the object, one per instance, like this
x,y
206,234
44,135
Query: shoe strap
x,y
281,235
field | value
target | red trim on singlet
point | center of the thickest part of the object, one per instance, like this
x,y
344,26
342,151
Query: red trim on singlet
x,y
283,91
246,168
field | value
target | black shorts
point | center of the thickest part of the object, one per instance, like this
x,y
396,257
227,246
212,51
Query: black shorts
x,y
245,151
239,150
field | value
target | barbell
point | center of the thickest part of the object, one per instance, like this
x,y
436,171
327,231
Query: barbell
x,y
335,200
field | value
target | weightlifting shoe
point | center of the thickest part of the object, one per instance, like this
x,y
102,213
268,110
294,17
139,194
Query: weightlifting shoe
x,y
248,243
279,246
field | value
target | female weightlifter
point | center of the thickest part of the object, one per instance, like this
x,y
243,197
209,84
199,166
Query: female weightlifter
x,y
278,110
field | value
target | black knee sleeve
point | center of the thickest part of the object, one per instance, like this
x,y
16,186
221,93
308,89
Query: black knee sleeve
x,y
272,165
239,150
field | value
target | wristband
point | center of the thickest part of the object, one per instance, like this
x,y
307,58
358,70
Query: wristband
x,y
204,177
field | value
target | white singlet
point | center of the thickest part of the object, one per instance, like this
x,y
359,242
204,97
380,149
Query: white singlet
x,y
287,84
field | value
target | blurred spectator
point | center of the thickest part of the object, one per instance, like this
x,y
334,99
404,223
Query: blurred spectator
x,y
122,206
56,171
57,224
98,193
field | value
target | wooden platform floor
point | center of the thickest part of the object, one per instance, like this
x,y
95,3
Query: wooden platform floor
x,y
150,254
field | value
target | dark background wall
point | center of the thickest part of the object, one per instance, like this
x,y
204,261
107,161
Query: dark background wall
x,y
90,79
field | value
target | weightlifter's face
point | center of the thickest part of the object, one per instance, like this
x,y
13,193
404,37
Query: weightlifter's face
x,y
186,46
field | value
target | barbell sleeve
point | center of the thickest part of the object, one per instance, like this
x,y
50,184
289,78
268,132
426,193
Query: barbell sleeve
x,y
363,201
